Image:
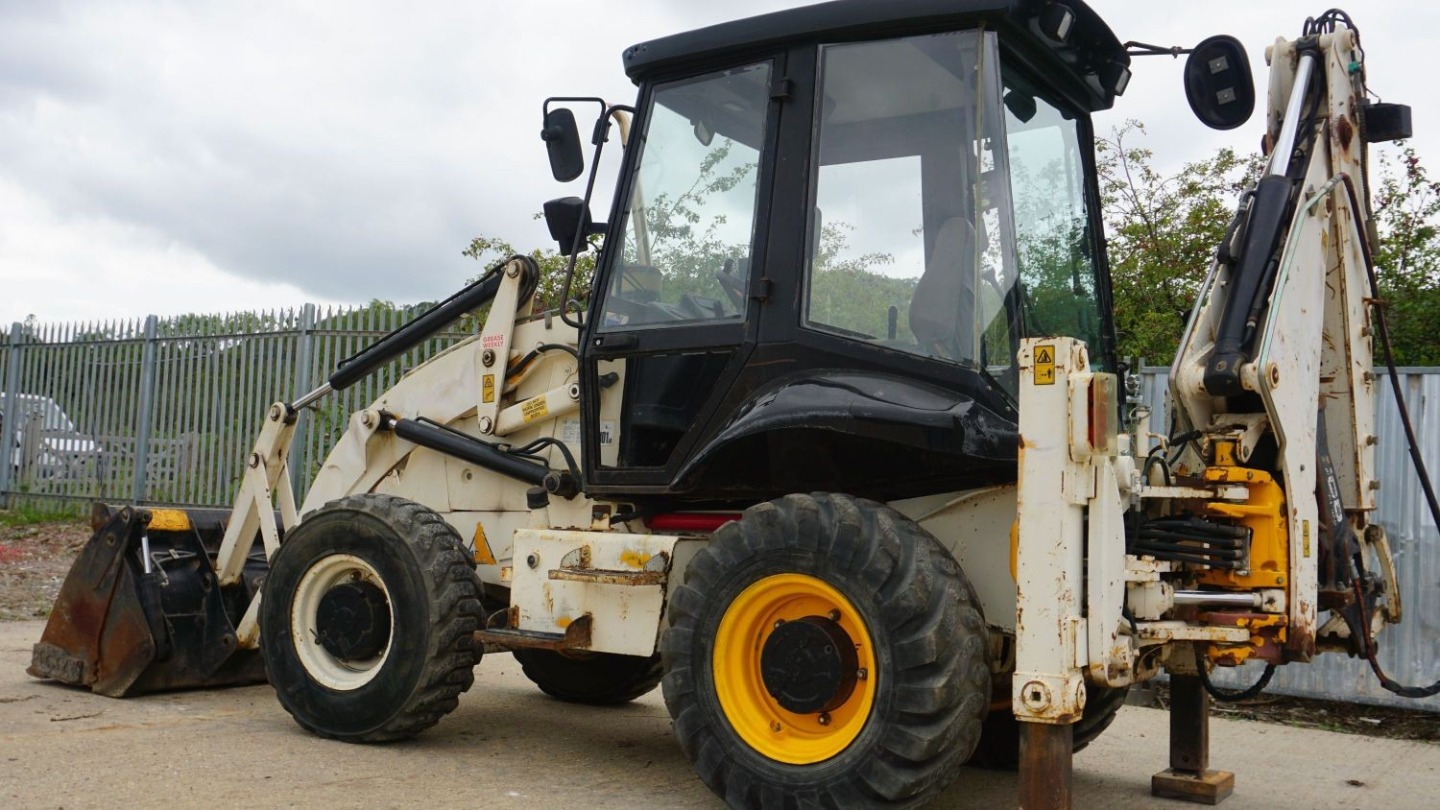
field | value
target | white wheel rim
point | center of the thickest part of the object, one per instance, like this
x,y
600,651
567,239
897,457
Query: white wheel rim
x,y
324,667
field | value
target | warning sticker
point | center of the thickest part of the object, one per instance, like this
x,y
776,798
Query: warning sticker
x,y
570,431
1045,364
532,409
487,389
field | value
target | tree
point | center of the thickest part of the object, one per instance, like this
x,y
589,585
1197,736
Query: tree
x,y
490,249
1407,260
1163,232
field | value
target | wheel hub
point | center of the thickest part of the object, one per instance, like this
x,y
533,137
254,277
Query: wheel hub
x,y
809,665
353,621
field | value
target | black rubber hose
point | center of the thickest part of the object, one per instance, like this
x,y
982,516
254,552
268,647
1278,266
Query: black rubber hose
x,y
1232,696
1415,459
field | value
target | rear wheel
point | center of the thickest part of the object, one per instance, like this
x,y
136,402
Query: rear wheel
x,y
825,651
367,618
594,679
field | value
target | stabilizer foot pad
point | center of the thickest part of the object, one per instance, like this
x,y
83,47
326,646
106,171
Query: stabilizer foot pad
x,y
1209,787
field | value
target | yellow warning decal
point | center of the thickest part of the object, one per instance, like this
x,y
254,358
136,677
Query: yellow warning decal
x,y
169,520
1305,536
487,388
483,554
532,409
1045,364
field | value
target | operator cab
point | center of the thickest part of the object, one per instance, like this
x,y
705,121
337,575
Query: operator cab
x,y
834,225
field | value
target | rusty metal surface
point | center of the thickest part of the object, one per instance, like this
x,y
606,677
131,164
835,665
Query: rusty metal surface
x,y
575,637
605,577
1046,765
98,634
120,630
1410,652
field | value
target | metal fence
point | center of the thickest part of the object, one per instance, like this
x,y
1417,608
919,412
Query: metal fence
x,y
164,410
1409,652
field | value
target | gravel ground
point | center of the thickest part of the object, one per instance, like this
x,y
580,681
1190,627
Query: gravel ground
x,y
33,562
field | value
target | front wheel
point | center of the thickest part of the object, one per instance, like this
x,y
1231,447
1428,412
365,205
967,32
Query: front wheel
x,y
368,618
825,651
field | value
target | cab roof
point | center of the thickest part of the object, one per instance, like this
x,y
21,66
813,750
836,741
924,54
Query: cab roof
x,y
1090,45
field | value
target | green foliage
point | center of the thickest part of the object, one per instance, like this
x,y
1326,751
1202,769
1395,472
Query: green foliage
x,y
28,514
684,228
846,292
490,249
1162,232
1407,261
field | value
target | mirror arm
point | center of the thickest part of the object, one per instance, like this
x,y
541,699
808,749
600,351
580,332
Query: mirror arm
x,y
1144,49
601,135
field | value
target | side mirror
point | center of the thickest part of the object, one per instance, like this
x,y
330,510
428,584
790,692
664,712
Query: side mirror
x,y
1218,83
565,217
562,142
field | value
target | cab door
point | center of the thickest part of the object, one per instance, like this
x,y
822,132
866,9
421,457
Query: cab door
x,y
672,320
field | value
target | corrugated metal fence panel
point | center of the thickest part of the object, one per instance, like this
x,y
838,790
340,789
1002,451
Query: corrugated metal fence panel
x,y
1409,652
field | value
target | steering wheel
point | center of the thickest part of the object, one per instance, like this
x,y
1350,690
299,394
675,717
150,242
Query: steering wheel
x,y
733,286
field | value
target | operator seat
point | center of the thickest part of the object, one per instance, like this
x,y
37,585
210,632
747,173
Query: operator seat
x,y
943,306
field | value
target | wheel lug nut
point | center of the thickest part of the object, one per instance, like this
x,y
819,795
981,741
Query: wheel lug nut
x,y
862,674
834,615
775,727
824,718
779,622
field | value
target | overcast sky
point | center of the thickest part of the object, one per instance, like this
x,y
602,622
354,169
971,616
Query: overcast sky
x,y
170,157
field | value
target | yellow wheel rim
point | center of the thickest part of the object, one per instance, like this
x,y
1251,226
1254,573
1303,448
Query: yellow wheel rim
x,y
760,720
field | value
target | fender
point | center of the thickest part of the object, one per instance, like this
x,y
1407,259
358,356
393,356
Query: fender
x,y
866,433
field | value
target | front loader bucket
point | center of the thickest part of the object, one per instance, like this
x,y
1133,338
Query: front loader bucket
x,y
122,630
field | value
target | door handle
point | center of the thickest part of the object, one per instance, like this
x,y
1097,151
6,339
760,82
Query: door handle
x,y
615,343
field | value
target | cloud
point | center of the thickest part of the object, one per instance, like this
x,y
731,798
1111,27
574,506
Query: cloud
x,y
348,151
51,266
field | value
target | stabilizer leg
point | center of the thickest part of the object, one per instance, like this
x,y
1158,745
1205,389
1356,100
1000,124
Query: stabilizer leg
x,y
1189,777
1046,752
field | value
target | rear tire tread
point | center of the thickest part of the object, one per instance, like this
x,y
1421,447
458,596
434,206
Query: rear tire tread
x,y
920,593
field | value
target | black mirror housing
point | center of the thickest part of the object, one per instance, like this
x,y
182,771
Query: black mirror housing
x,y
566,217
562,142
1218,83
1384,121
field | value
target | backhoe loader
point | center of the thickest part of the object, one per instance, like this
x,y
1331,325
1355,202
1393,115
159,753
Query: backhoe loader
x,y
838,452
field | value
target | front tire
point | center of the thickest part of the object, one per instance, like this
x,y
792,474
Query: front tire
x,y
773,615
368,619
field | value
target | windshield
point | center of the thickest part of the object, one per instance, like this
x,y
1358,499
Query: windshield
x,y
691,215
930,233
1054,243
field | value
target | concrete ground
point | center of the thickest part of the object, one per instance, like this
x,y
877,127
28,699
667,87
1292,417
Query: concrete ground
x,y
510,746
